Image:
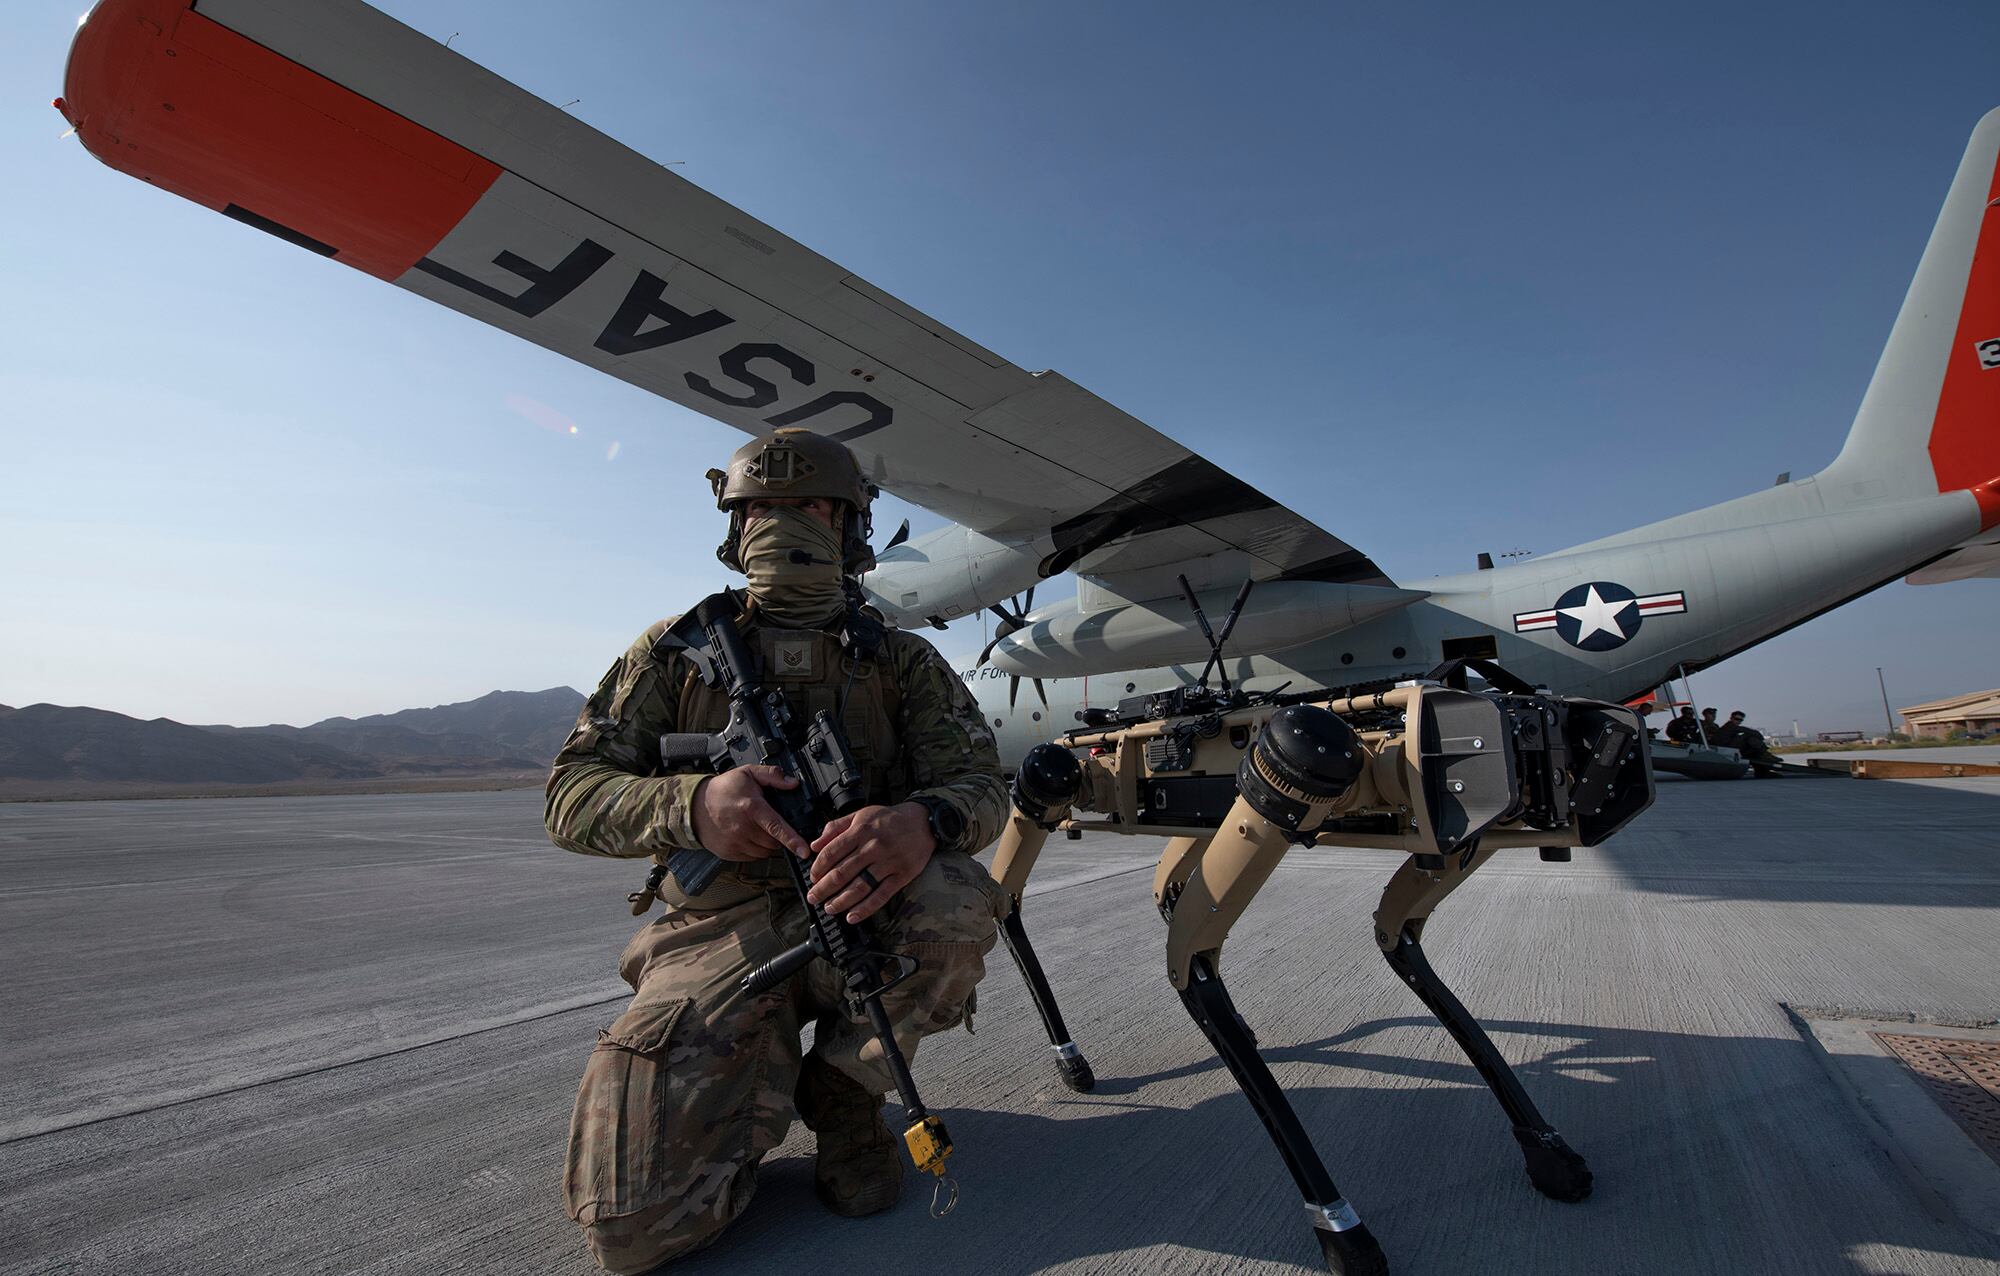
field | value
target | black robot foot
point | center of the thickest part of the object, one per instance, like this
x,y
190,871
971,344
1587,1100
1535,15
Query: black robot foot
x,y
1554,1167
1076,1074
1352,1252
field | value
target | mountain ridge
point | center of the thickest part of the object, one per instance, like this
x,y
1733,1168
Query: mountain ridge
x,y
501,731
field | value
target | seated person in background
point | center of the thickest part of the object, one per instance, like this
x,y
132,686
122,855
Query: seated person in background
x,y
1682,729
1746,740
1710,727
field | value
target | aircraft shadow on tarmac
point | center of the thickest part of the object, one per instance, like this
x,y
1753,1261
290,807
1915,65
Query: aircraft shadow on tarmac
x,y
1711,1154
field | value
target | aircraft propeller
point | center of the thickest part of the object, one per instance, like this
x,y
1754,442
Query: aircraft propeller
x,y
1010,622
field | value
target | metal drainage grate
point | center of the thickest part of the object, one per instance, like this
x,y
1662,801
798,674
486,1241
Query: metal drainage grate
x,y
1963,1076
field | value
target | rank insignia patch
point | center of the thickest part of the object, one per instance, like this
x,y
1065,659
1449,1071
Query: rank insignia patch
x,y
792,657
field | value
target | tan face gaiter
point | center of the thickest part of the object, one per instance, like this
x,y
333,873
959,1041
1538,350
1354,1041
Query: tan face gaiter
x,y
793,562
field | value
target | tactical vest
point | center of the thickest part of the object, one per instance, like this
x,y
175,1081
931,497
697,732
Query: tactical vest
x,y
811,671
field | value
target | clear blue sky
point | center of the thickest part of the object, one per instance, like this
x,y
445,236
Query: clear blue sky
x,y
1562,269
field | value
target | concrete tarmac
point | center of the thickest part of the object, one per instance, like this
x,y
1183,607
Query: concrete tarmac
x,y
342,1034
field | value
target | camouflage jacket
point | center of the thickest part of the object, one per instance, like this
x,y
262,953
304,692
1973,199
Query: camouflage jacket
x,y
913,724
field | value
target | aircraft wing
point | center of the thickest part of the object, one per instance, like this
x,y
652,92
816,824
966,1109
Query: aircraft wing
x,y
333,126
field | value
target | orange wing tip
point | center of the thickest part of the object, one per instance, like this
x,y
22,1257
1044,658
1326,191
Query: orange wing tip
x,y
174,98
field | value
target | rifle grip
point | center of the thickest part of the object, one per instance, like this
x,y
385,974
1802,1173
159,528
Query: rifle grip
x,y
682,748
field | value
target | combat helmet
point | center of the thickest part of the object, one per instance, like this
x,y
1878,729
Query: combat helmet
x,y
794,462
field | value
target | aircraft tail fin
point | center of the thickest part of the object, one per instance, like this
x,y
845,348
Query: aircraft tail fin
x,y
1930,421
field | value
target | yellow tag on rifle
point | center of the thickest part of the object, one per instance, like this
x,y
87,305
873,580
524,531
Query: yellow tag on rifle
x,y
929,1145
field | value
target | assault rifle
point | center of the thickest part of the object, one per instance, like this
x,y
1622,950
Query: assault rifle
x,y
762,730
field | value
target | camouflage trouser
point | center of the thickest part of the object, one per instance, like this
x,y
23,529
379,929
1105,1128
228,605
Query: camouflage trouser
x,y
688,1090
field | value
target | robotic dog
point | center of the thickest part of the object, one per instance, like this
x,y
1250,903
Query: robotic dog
x,y
1234,780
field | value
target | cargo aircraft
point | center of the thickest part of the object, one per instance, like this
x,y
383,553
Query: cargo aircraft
x,y
338,129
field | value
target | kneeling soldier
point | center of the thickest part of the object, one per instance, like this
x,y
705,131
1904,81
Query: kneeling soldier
x,y
688,1090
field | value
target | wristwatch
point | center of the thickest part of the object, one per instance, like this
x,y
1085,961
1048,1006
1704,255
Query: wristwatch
x,y
947,825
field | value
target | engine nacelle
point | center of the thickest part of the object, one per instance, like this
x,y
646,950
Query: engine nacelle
x,y
1063,641
950,573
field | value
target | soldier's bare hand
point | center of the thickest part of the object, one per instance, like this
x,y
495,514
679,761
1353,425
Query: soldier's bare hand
x,y
732,819
893,843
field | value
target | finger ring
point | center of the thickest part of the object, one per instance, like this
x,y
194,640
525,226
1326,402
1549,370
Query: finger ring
x,y
869,878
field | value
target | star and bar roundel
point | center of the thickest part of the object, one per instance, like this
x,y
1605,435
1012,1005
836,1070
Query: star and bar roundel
x,y
1599,615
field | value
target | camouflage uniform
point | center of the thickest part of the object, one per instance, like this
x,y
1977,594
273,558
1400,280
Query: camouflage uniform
x,y
693,1084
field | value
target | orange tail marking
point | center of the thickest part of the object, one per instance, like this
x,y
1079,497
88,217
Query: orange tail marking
x,y
1965,434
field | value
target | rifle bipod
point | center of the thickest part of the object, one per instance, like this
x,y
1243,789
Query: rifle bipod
x,y
1557,1170
1349,1247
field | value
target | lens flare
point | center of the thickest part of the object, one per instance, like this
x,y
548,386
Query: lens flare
x,y
541,414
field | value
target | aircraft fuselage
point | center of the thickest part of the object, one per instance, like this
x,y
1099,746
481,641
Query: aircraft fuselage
x,y
1605,620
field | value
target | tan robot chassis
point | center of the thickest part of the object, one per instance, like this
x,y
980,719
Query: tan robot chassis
x,y
1234,781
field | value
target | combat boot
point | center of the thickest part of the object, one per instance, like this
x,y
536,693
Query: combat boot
x,y
857,1171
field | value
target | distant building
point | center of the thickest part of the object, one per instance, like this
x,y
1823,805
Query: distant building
x,y
1978,713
